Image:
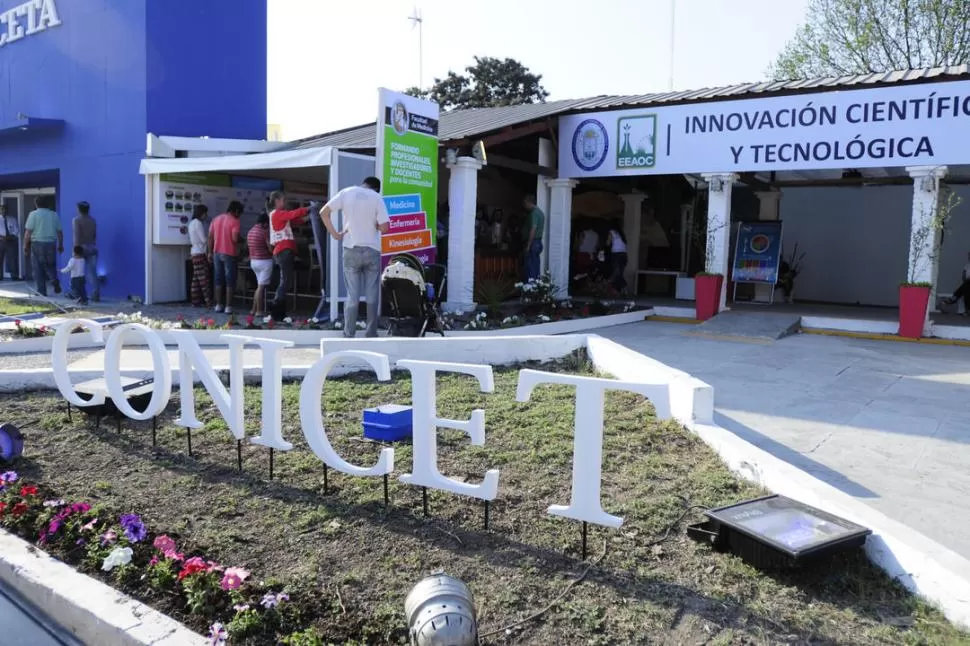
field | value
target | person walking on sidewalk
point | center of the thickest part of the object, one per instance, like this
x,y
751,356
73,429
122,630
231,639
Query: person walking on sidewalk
x,y
284,245
223,245
75,267
9,247
200,294
43,240
963,291
85,231
365,219
534,221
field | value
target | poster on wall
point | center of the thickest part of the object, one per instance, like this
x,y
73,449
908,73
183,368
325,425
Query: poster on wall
x,y
177,196
757,256
894,126
407,165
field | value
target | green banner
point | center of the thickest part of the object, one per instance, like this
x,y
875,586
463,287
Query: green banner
x,y
197,179
407,153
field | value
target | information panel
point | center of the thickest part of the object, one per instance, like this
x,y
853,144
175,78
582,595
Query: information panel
x,y
757,257
407,164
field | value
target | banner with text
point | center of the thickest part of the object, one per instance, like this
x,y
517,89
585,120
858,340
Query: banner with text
x,y
757,256
407,165
901,125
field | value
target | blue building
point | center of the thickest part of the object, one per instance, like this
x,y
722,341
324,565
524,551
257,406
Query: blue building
x,y
83,82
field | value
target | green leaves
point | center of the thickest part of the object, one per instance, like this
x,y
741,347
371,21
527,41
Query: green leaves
x,y
489,83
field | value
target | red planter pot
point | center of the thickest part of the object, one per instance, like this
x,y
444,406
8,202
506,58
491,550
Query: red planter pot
x,y
707,293
913,302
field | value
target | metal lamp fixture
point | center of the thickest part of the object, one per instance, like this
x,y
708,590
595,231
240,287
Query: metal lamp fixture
x,y
928,184
716,184
478,152
440,611
451,156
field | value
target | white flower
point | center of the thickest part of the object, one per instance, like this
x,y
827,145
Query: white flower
x,y
314,320
338,325
361,325
287,320
544,319
118,556
267,319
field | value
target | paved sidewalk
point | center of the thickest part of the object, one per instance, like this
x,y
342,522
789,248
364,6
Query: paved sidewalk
x,y
888,423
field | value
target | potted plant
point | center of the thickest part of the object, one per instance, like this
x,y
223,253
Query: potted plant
x,y
788,271
708,284
914,294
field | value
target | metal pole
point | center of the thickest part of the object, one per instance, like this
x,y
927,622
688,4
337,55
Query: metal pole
x,y
486,515
387,499
271,463
154,432
326,480
188,435
585,528
424,499
239,455
673,30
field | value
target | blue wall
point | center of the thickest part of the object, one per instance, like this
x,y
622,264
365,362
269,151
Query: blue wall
x,y
115,70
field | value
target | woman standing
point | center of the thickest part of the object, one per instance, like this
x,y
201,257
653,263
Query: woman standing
x,y
201,295
616,240
261,261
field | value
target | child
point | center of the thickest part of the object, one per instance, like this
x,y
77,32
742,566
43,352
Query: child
x,y
76,268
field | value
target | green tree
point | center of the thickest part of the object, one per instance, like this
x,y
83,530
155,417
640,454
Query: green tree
x,y
843,37
489,83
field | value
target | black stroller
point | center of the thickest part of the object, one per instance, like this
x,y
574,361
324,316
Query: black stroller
x,y
411,296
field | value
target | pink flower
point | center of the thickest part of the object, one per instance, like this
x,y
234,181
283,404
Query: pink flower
x,y
109,537
87,527
164,544
153,562
233,578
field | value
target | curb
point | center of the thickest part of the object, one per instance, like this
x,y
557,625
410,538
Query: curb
x,y
871,336
90,610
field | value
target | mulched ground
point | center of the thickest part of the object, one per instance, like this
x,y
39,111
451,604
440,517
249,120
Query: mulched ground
x,y
349,561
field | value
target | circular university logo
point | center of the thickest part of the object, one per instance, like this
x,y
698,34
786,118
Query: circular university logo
x,y
590,145
399,118
760,243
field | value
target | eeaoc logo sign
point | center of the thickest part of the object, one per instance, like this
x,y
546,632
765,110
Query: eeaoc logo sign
x,y
27,19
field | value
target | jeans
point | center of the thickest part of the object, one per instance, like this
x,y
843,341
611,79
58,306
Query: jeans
x,y
618,261
362,275
285,260
225,270
79,290
90,272
10,256
963,291
43,258
532,260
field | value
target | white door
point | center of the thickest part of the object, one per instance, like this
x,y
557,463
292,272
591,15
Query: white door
x,y
14,202
346,169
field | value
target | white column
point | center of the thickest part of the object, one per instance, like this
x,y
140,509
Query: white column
x,y
923,265
632,209
547,157
719,188
462,200
769,208
559,219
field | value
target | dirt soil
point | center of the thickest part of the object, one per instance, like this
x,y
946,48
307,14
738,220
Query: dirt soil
x,y
349,561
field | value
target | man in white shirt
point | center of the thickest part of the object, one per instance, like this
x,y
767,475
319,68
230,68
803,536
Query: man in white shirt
x,y
9,247
365,219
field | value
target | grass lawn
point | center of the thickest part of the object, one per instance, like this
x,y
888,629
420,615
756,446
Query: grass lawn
x,y
13,307
349,561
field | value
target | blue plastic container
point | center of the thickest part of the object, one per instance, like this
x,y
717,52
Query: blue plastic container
x,y
388,423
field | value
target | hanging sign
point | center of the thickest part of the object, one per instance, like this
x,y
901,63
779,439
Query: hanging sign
x,y
888,126
757,255
407,165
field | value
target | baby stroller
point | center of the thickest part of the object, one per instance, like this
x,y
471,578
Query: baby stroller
x,y
411,296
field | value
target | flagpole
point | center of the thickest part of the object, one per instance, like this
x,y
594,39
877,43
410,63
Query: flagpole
x,y
673,24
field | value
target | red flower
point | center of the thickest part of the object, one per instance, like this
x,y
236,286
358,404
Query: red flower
x,y
3,509
211,322
28,491
194,565
18,323
19,509
179,318
271,324
250,319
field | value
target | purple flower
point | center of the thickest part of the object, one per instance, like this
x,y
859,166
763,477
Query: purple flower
x,y
271,600
218,634
135,530
54,503
80,541
9,477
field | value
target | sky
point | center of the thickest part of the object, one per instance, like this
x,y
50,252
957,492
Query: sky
x,y
327,58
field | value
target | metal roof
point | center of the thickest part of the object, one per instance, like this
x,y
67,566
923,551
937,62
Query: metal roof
x,y
459,124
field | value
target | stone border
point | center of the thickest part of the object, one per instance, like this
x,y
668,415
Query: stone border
x,y
92,611
312,337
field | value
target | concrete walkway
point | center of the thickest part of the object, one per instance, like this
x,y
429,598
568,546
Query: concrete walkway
x,y
24,624
888,423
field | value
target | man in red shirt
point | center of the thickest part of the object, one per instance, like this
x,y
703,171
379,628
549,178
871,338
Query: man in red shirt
x,y
284,246
223,249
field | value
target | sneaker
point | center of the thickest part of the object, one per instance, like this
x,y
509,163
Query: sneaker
x,y
228,310
57,288
218,309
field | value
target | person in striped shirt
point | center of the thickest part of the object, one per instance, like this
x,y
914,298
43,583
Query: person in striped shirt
x,y
260,261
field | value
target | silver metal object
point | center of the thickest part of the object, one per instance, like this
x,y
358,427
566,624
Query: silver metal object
x,y
440,611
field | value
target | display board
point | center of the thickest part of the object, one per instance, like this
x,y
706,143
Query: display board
x,y
407,165
178,195
757,256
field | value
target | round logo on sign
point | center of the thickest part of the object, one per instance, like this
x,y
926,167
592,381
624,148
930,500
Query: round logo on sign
x,y
590,145
760,243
